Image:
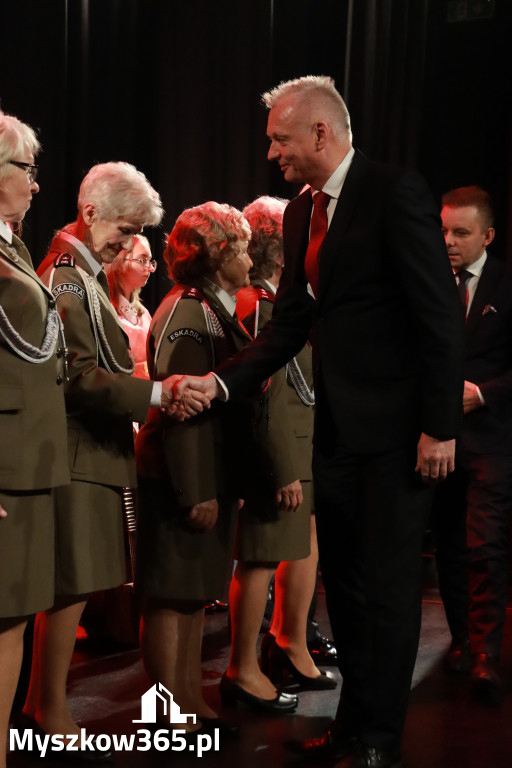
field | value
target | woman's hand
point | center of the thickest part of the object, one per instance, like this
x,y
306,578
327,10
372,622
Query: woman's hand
x,y
3,513
289,498
203,516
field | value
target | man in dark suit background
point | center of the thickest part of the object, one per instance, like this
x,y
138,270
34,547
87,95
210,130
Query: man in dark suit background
x,y
476,501
381,306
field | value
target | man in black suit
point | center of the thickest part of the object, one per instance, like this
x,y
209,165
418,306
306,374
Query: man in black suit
x,y
477,500
386,328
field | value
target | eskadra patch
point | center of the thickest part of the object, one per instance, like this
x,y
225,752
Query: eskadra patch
x,y
77,290
181,333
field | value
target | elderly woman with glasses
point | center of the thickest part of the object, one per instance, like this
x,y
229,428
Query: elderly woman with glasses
x,y
127,275
102,399
33,455
190,474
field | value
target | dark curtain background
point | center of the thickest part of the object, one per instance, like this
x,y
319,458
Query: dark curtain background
x,y
174,88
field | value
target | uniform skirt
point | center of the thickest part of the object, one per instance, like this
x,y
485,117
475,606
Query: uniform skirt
x,y
89,543
266,535
27,534
173,561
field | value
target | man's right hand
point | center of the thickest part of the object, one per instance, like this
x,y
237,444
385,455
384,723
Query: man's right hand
x,y
3,513
197,388
184,404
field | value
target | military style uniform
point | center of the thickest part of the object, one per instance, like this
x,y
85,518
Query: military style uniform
x,y
266,534
33,451
182,464
102,400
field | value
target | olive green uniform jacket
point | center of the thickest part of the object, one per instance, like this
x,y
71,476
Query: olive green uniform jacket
x,y
33,440
100,405
266,534
33,452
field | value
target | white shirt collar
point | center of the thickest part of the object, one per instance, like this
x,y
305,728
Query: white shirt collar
x,y
271,287
5,232
335,182
95,266
477,266
227,301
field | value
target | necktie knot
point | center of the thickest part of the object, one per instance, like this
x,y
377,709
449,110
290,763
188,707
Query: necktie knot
x,y
321,200
464,276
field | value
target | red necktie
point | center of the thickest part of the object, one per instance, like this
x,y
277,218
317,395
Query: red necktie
x,y
317,232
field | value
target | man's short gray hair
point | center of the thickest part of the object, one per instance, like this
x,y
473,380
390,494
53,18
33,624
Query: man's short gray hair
x,y
13,136
119,190
314,87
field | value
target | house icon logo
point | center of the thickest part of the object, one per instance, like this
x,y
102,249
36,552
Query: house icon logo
x,y
148,702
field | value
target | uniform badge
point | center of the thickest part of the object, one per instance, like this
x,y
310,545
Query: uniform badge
x,y
64,260
262,293
192,293
73,288
188,333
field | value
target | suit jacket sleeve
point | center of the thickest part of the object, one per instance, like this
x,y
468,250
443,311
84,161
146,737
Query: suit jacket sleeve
x,y
419,251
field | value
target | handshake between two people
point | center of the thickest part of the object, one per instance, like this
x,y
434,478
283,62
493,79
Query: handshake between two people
x,y
185,396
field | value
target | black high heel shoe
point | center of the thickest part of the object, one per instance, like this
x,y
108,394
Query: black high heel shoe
x,y
231,693
280,666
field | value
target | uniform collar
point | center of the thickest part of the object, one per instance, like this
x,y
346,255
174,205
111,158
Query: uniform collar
x,y
94,266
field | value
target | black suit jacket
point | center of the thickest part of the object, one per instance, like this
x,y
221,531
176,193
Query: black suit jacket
x,y
488,362
387,325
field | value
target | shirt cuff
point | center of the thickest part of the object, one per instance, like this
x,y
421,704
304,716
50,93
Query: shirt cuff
x,y
225,390
156,395
480,395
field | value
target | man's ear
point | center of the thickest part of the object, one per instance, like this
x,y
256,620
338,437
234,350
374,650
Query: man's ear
x,y
489,236
321,133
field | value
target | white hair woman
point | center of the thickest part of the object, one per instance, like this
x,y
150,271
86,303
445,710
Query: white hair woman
x,y
127,275
102,399
33,459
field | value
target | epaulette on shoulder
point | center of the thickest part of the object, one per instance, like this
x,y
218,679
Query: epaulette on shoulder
x,y
64,260
192,293
262,293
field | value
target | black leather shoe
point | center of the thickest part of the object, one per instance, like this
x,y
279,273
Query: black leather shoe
x,y
332,745
486,683
231,693
371,757
282,671
458,657
26,722
323,651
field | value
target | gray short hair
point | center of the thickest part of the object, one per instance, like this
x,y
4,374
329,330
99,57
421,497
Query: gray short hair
x,y
119,190
318,88
201,238
13,136
265,217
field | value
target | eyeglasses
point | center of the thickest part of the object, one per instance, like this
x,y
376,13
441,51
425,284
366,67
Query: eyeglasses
x,y
30,169
146,263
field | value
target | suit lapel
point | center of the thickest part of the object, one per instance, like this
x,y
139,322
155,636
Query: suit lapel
x,y
488,279
349,197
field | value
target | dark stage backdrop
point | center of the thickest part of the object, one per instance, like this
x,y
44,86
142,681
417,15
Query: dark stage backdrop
x,y
174,87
